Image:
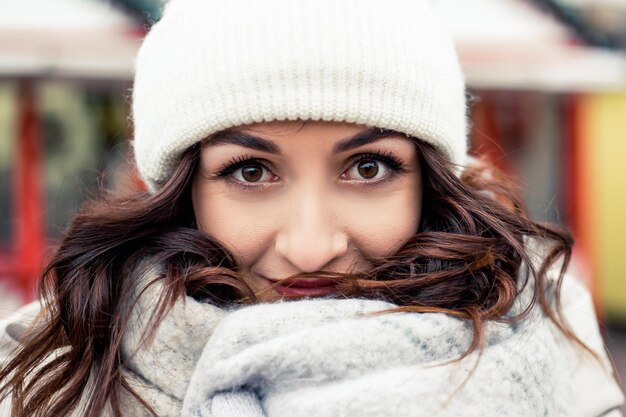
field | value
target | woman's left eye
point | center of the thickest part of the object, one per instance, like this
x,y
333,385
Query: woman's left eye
x,y
367,170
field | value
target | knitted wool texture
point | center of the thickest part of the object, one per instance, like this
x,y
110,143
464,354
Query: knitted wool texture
x,y
324,357
209,65
327,357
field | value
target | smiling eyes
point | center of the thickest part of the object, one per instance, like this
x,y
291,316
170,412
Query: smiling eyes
x,y
363,168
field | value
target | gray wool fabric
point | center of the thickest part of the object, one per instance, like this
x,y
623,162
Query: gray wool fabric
x,y
333,357
325,357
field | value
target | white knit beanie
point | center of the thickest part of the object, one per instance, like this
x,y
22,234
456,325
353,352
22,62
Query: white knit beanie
x,y
209,65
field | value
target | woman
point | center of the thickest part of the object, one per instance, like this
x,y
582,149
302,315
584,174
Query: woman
x,y
313,242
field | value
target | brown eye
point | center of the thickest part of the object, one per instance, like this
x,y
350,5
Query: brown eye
x,y
367,169
252,173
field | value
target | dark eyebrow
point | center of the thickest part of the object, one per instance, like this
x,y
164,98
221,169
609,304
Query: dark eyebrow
x,y
363,138
243,139
264,145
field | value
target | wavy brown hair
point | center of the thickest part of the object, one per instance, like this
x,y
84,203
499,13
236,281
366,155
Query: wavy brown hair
x,y
470,258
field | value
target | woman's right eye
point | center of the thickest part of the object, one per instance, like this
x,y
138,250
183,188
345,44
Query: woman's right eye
x,y
250,172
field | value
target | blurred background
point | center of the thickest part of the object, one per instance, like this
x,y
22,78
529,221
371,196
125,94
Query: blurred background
x,y
547,83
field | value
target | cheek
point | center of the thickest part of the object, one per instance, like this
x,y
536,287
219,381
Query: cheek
x,y
380,227
244,230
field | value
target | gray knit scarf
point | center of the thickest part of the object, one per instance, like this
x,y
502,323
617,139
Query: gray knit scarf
x,y
333,357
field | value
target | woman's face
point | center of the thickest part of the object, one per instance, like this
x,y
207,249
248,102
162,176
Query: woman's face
x,y
292,197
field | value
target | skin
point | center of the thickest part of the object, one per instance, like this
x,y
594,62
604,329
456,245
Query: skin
x,y
302,205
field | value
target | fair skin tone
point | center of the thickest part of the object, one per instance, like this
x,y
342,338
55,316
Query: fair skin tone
x,y
286,198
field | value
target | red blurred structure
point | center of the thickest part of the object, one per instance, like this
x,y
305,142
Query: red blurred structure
x,y
28,240
28,199
74,41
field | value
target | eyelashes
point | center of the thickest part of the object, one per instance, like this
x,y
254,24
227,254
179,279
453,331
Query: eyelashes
x,y
238,162
387,157
368,168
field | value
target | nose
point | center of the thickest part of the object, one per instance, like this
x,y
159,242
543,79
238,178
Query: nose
x,y
310,239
